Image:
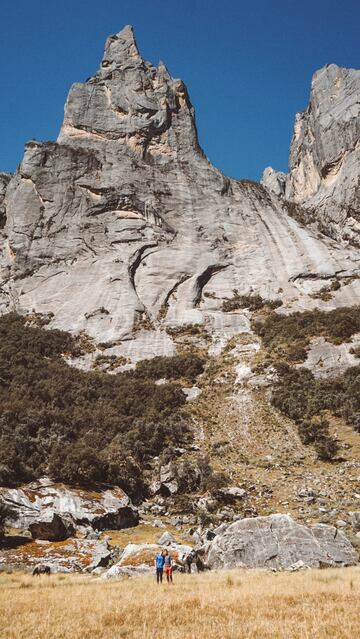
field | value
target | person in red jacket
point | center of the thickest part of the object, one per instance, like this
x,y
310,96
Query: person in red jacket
x,y
168,567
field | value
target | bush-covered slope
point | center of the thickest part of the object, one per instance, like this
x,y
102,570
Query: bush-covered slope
x,y
298,393
288,336
81,426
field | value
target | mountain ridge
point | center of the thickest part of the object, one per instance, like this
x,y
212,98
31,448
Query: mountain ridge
x,y
216,323
124,221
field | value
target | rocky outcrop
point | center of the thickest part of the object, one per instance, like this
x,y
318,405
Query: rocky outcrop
x,y
330,360
4,181
123,228
278,542
355,520
42,506
324,160
49,525
72,555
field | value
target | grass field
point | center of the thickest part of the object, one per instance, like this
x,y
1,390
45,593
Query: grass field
x,y
222,605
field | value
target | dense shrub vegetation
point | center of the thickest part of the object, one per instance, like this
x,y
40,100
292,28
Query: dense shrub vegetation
x,y
78,426
288,336
184,366
298,393
304,399
253,302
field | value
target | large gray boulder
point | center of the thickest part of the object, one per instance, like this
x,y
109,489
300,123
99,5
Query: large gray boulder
x,y
278,542
100,509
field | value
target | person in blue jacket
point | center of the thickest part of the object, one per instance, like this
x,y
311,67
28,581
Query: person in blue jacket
x,y
159,566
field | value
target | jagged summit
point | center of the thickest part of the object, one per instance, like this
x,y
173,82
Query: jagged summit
x,y
121,50
123,229
324,162
133,102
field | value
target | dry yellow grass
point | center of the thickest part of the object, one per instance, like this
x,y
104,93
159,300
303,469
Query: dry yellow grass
x,y
224,605
145,534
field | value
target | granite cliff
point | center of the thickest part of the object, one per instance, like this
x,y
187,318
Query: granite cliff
x,y
123,219
324,173
122,233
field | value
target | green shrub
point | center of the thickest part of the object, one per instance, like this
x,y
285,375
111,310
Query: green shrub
x,y
196,474
316,431
289,335
303,398
183,366
253,302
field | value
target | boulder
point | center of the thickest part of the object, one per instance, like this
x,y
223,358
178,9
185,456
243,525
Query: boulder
x,y
166,539
117,571
233,492
355,520
278,542
166,485
49,525
101,556
72,555
168,482
99,509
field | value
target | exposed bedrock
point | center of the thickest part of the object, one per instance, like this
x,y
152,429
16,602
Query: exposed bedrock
x,y
278,542
50,510
324,165
124,217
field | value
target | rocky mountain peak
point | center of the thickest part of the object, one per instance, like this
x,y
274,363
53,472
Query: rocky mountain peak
x,y
324,162
124,234
132,102
123,220
121,50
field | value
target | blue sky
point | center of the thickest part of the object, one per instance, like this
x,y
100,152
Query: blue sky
x,y
247,65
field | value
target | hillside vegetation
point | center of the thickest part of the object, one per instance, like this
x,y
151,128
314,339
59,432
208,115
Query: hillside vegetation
x,y
297,393
83,427
288,336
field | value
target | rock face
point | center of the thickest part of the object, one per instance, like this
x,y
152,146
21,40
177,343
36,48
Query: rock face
x,y
325,155
278,542
49,525
72,555
4,181
355,519
124,219
46,508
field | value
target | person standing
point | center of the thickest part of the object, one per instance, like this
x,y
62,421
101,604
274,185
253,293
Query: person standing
x,y
159,566
168,567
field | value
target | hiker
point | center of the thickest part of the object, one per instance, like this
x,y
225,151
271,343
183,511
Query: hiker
x,y
159,565
168,567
